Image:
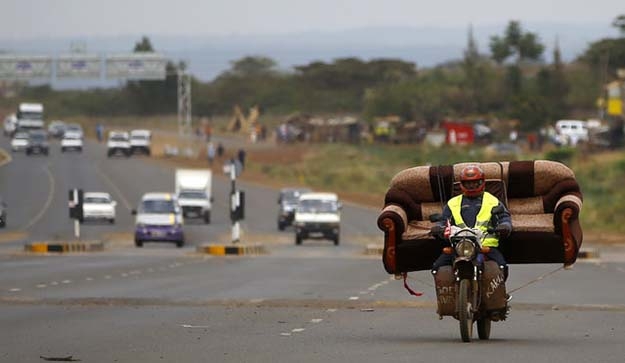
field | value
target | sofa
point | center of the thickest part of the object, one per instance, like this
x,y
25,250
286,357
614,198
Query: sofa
x,y
543,197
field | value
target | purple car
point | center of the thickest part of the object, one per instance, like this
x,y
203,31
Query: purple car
x,y
159,219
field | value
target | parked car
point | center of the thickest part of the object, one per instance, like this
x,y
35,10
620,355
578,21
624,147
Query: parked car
x,y
572,131
71,140
37,143
98,205
159,219
56,129
19,141
287,201
3,213
10,125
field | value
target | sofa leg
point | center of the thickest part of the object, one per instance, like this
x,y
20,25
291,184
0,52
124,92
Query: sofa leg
x,y
570,246
390,243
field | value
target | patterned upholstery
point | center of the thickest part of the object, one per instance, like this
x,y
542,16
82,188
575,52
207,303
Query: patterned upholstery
x,y
543,197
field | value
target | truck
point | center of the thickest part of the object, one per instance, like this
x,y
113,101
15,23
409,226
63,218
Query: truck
x,y
118,143
194,193
140,141
30,116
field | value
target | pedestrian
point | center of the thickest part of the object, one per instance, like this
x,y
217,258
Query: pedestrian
x,y
241,158
220,150
210,153
99,130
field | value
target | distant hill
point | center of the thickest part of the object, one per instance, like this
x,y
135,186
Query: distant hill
x,y
208,56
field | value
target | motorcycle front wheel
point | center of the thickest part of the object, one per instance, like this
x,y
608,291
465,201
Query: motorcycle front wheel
x,y
465,310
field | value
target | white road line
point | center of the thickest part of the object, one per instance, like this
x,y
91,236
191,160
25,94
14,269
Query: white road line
x,y
15,289
115,188
297,330
108,277
66,281
88,278
332,310
316,321
354,298
54,283
41,286
48,200
285,334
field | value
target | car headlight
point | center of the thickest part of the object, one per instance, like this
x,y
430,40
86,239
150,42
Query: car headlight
x,y
465,248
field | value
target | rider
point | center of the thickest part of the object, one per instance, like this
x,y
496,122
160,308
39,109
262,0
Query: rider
x,y
475,207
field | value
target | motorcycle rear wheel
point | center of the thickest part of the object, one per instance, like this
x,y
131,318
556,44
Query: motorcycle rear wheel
x,y
465,311
483,328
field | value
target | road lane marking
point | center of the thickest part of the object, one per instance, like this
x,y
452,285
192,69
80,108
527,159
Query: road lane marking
x,y
316,321
66,281
297,330
115,188
41,286
354,298
15,289
48,200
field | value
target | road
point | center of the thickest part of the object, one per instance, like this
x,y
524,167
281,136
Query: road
x,y
312,303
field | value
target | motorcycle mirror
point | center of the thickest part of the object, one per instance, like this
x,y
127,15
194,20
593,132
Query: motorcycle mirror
x,y
436,217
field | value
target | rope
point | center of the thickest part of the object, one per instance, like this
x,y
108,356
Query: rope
x,y
536,279
405,275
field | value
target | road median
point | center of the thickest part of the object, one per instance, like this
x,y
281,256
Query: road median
x,y
231,249
64,247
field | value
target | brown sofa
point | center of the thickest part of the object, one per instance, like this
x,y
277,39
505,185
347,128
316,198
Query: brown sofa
x,y
543,197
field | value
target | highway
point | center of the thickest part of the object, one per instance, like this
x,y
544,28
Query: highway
x,y
312,303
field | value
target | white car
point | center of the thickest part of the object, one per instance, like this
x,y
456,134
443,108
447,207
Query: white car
x,y
71,141
98,206
19,141
118,143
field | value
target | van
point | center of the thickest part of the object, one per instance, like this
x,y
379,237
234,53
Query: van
x,y
193,190
572,131
159,219
318,216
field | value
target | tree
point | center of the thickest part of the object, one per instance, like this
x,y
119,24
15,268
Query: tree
x,y
474,77
516,42
144,45
253,66
619,23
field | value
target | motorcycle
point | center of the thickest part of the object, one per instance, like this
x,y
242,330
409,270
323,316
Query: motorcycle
x,y
472,289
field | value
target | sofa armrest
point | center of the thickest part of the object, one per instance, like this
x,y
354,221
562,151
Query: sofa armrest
x,y
566,224
392,221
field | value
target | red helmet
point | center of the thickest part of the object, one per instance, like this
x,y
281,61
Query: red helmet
x,y
472,181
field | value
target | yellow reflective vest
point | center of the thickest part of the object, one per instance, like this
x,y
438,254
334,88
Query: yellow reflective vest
x,y
489,201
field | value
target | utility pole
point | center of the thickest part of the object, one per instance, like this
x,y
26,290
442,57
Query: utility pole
x,y
184,103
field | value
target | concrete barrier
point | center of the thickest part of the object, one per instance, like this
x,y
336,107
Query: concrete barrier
x,y
231,249
64,247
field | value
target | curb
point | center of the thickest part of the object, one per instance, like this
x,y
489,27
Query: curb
x,y
588,253
63,247
222,250
374,249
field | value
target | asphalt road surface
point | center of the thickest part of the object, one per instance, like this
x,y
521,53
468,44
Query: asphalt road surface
x,y
311,303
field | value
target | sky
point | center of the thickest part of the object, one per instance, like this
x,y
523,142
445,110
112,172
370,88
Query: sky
x,y
24,19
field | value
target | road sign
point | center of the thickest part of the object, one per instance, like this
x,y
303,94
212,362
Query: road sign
x,y
25,67
79,66
140,65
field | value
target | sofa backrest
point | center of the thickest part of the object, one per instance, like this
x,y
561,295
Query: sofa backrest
x,y
531,187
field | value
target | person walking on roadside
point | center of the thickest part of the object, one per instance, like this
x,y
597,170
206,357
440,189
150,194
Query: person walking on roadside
x,y
210,153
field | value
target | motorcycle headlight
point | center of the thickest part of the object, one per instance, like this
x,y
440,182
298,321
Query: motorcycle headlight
x,y
465,248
